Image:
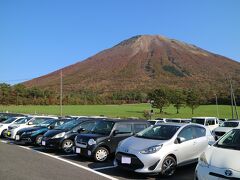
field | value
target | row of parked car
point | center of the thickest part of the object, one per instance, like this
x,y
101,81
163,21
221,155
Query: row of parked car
x,y
137,145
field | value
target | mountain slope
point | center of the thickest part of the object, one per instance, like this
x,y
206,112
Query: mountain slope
x,y
144,62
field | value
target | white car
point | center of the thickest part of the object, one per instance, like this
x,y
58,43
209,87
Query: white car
x,y
161,148
221,160
25,123
225,127
4,125
211,122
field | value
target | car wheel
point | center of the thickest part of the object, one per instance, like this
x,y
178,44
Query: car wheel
x,y
67,146
38,140
4,132
101,154
168,166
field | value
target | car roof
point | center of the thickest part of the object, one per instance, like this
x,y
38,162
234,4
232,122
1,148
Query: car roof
x,y
233,120
203,117
180,124
123,120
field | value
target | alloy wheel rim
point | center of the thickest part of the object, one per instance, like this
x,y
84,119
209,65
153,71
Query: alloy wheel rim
x,y
101,155
39,139
67,146
168,167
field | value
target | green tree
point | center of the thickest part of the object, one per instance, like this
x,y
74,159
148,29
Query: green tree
x,y
178,99
159,98
193,99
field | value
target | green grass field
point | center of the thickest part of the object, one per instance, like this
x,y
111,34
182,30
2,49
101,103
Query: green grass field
x,y
126,110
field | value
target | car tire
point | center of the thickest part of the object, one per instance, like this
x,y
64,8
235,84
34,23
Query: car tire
x,y
67,146
101,154
4,133
169,166
38,140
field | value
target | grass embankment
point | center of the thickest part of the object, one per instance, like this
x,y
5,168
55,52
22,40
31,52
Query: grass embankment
x,y
126,110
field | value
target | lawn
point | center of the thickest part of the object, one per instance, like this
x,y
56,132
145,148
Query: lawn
x,y
126,110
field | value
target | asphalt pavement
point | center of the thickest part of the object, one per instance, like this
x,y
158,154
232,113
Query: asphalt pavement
x,y
35,163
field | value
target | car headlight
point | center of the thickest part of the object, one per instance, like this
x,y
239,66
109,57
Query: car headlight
x,y
203,160
30,132
151,149
60,135
91,142
14,127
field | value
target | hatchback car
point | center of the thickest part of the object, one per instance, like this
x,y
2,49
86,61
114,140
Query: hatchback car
x,y
4,125
221,160
161,148
211,122
225,127
62,137
102,140
33,135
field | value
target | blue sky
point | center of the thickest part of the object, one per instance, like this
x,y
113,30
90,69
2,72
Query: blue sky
x,y
40,36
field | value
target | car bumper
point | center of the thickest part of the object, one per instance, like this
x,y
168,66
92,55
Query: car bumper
x,y
24,139
87,151
11,134
52,143
213,173
140,163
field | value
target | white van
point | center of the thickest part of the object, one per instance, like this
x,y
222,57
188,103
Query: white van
x,y
211,122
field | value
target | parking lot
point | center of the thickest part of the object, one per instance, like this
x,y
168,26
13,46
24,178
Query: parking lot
x,y
29,162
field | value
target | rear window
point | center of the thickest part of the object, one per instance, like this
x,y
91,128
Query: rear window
x,y
152,122
230,124
198,121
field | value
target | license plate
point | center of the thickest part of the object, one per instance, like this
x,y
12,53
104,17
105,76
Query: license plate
x,y
17,137
126,160
43,143
9,133
78,150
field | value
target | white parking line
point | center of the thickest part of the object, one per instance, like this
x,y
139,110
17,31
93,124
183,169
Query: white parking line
x,y
101,168
67,155
72,163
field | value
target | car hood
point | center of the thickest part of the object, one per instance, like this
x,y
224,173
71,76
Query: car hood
x,y
223,129
53,132
223,158
90,135
136,143
28,129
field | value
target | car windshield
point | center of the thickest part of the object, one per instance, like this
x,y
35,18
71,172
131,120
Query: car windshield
x,y
230,141
198,121
69,125
158,132
102,127
46,123
22,121
229,124
9,120
38,120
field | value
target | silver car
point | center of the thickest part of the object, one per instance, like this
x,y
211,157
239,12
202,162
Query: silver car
x,y
161,148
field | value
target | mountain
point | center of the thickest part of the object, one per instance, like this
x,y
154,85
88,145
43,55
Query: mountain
x,y
144,62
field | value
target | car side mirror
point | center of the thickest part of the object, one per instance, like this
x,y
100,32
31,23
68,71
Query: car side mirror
x,y
51,127
80,130
115,132
180,140
30,123
210,143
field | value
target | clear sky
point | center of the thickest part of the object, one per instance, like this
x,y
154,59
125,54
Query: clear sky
x,y
40,36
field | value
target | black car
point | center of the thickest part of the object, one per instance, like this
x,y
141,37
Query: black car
x,y
62,137
33,135
105,135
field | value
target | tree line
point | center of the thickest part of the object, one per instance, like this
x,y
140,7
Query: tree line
x,y
162,97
